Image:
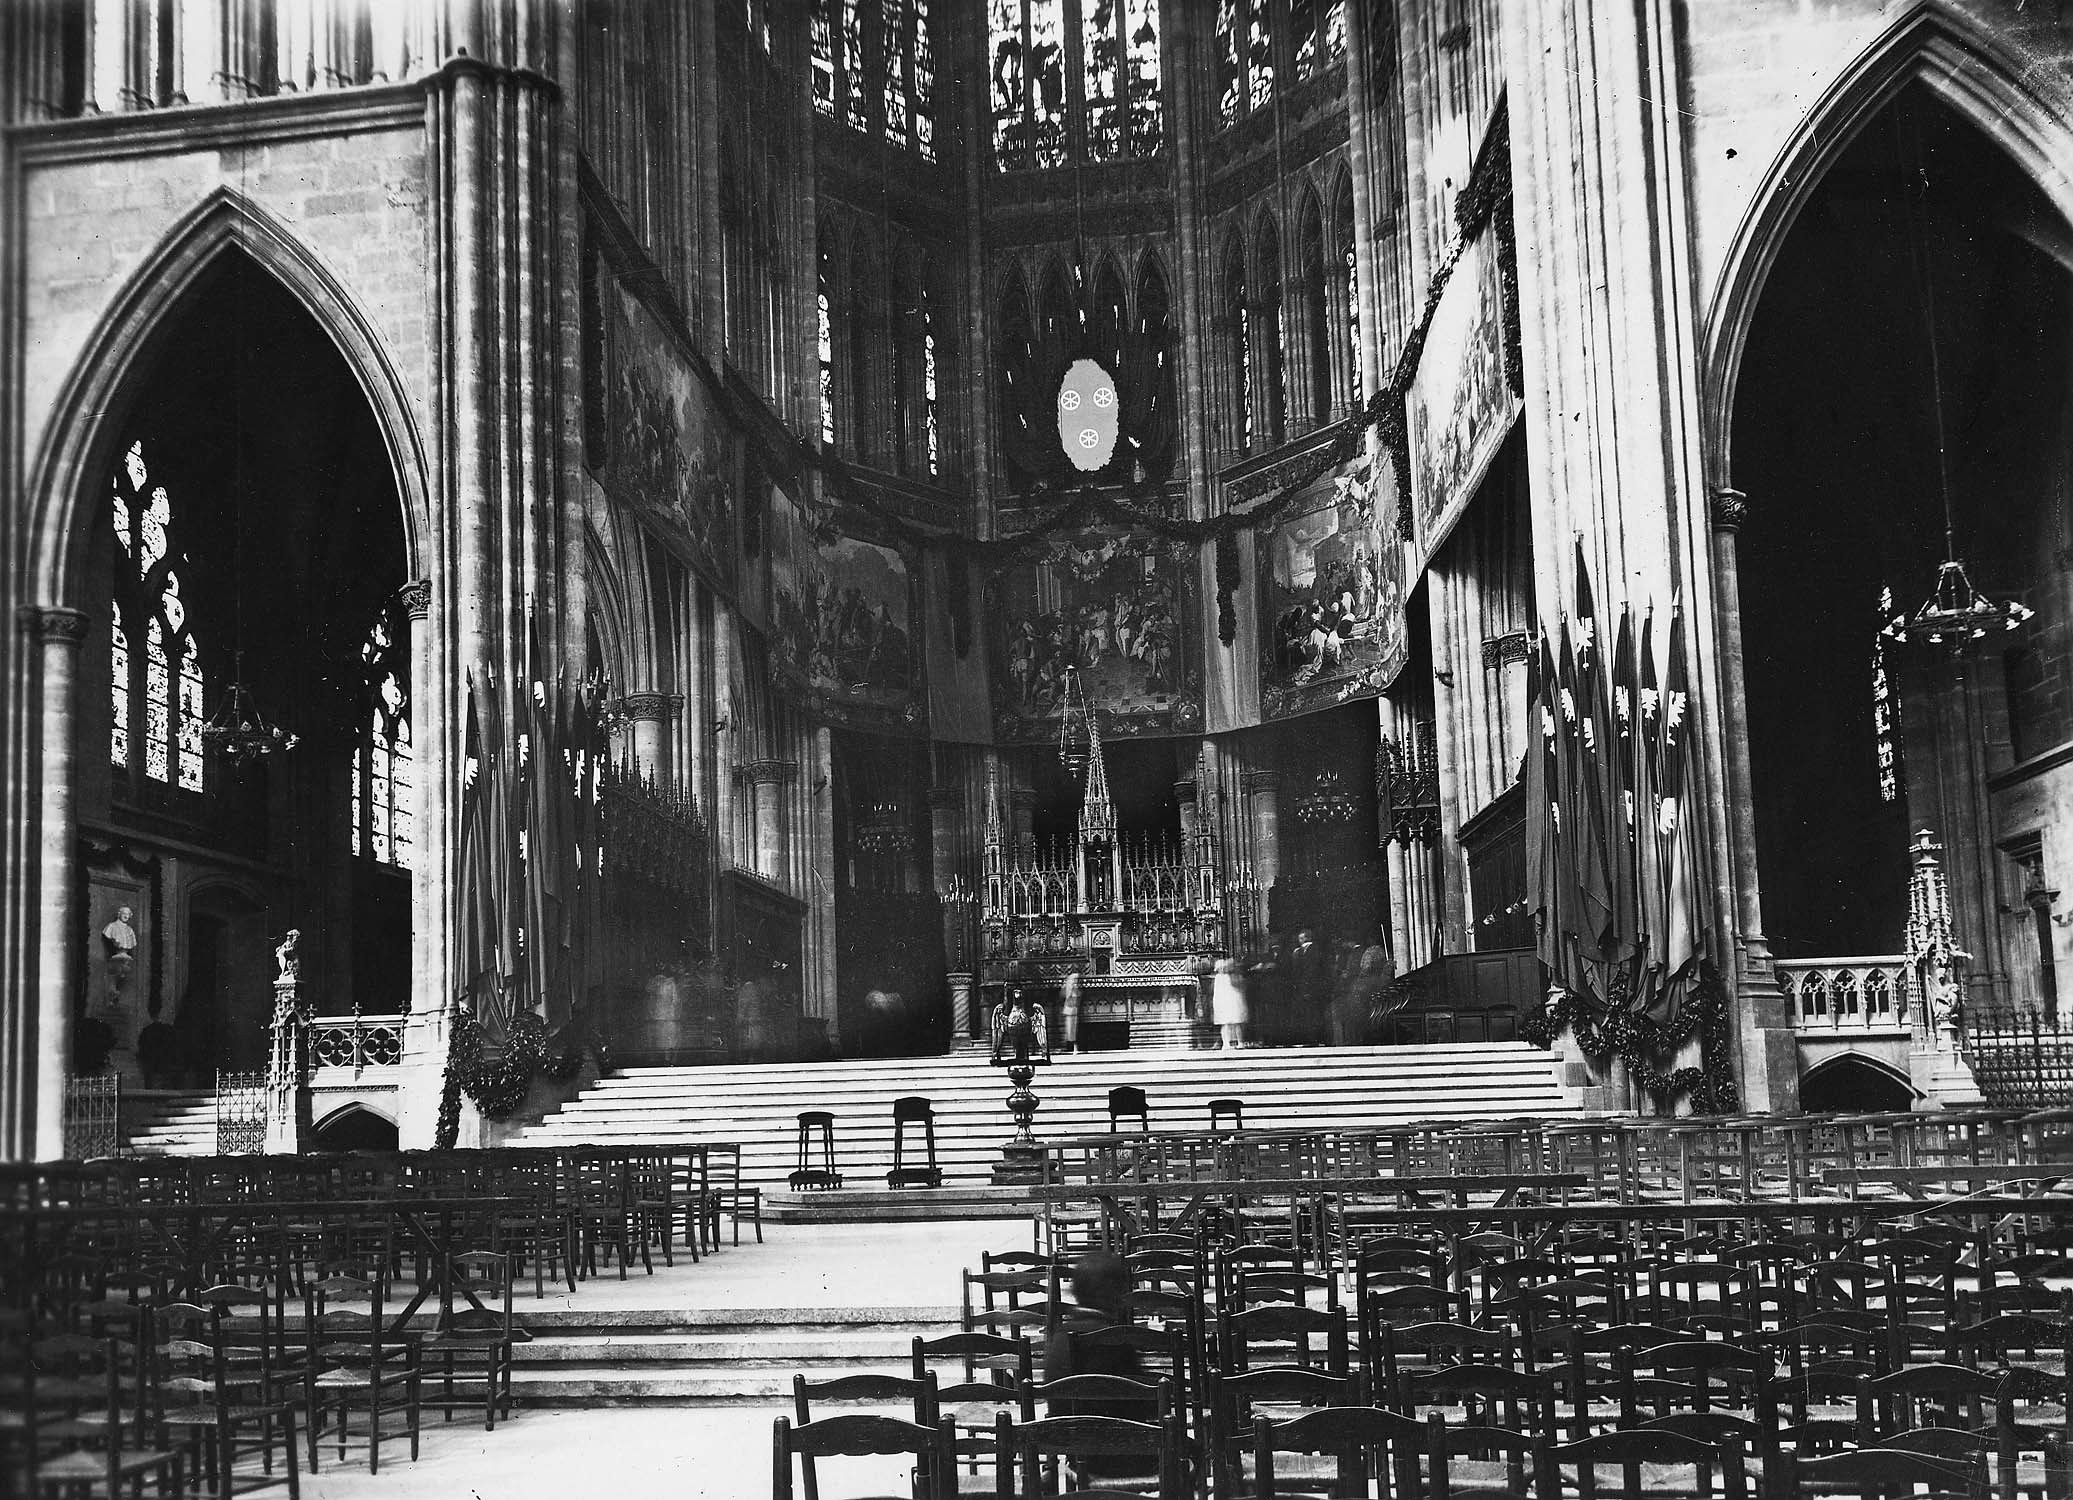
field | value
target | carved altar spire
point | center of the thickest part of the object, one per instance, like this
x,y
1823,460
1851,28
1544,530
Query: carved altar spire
x,y
1097,811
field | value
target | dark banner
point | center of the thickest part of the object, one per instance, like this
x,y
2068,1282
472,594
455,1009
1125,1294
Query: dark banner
x,y
1118,605
1331,594
669,454
845,620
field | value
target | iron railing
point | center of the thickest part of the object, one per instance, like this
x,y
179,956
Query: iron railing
x,y
93,1116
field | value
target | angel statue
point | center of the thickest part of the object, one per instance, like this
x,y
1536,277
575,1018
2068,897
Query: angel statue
x,y
291,966
1021,1031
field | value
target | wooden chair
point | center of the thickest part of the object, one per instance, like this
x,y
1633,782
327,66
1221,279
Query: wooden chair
x,y
1021,1451
919,1396
352,1364
1230,1403
1873,1472
1363,1444
1126,1102
86,1430
484,1338
861,1436
1643,1455
728,1196
1480,1462
204,1400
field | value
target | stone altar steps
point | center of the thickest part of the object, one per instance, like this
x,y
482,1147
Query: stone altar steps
x,y
178,1124
1282,1087
723,1356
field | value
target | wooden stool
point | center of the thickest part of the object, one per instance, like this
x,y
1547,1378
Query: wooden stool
x,y
915,1109
1235,1108
824,1175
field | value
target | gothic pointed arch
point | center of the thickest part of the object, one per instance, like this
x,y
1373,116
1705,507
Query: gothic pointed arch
x,y
86,438
1150,404
1270,334
866,329
1017,379
1315,325
1987,81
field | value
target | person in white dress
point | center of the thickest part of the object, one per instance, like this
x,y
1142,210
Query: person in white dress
x,y
1227,1007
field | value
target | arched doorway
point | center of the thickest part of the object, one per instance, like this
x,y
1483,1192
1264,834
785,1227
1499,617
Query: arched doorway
x,y
247,530
1923,289
1850,1084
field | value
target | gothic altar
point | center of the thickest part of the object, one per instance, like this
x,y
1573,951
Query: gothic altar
x,y
1137,919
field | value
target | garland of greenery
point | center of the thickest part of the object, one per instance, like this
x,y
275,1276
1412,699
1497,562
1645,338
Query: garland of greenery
x,y
1226,587
1639,1042
498,1085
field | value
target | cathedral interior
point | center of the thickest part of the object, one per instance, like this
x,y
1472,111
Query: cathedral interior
x,y
757,532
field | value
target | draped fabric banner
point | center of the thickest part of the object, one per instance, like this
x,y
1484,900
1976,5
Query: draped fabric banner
x,y
845,620
671,452
1118,605
1331,593
1461,403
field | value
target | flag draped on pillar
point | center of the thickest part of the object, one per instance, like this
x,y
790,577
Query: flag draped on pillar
x,y
1619,909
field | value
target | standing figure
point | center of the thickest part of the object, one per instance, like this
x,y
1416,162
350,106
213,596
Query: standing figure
x,y
1227,1007
1312,976
1069,1011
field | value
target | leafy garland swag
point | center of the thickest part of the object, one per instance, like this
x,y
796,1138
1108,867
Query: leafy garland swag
x,y
1484,203
498,1085
1637,1041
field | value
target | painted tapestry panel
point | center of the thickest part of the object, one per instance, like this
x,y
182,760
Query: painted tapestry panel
x,y
1461,404
1331,602
670,456
844,619
1119,606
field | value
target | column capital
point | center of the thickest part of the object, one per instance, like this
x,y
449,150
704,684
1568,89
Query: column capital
x,y
1256,782
49,623
416,598
1730,508
946,799
771,772
1184,791
660,707
1023,797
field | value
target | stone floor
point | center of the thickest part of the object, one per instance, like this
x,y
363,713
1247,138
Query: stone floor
x,y
685,1453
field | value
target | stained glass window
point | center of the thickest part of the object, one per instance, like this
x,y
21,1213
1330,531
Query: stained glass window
x,y
1302,34
1103,64
1349,255
384,820
1270,389
924,82
823,42
1010,101
824,336
930,418
1141,38
853,63
1259,53
1334,31
119,675
158,690
1230,63
896,44
1046,69
1236,317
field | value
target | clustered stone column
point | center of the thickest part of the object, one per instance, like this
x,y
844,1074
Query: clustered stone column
x,y
767,780
648,718
1770,1045
42,1050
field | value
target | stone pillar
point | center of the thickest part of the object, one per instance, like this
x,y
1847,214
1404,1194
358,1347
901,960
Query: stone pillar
x,y
768,780
47,1056
1764,1020
648,717
962,1020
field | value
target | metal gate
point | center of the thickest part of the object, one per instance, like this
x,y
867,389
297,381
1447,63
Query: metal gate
x,y
240,1114
93,1116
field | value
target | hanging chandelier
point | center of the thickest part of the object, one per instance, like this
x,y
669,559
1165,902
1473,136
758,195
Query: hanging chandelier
x,y
1075,727
238,730
1327,802
1955,611
884,830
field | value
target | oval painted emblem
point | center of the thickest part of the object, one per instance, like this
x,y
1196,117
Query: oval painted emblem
x,y
1087,415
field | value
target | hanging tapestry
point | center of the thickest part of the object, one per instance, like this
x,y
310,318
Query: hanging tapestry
x,y
844,620
1460,404
1331,601
1118,605
669,454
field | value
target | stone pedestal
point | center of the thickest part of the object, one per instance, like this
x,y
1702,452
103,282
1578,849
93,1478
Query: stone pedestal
x,y
288,1123
962,1021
